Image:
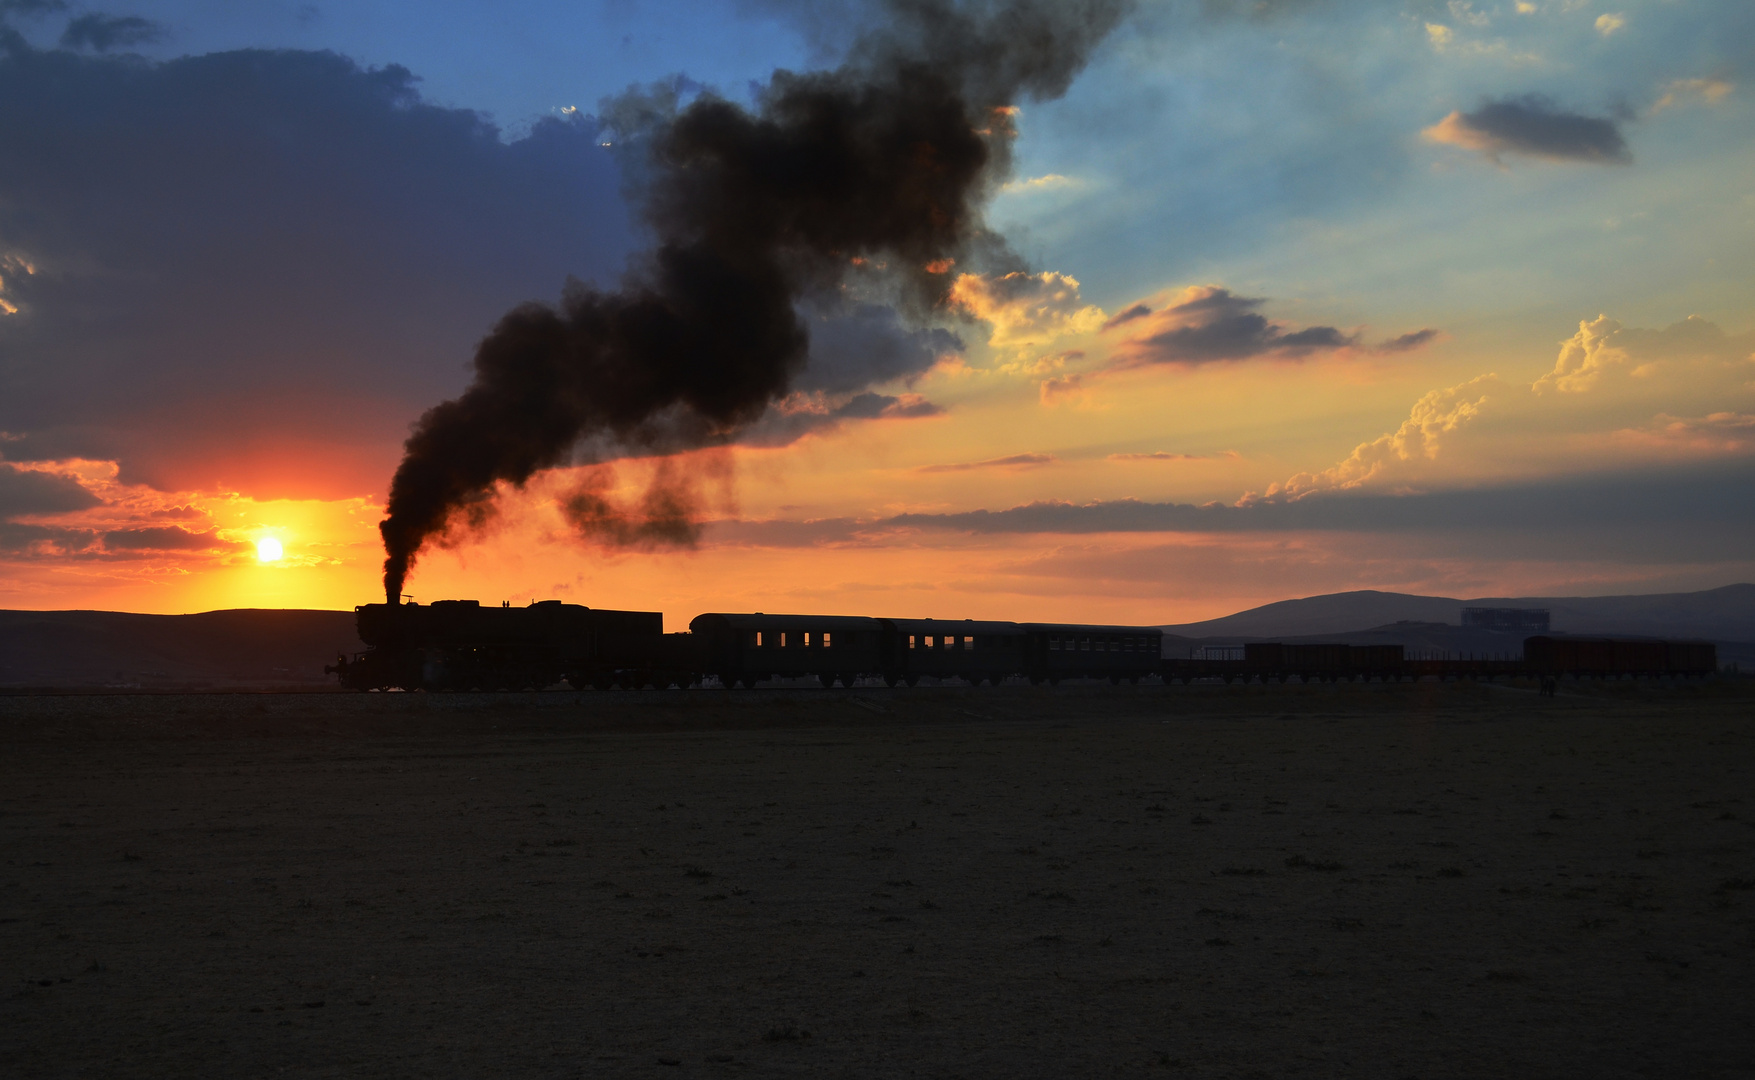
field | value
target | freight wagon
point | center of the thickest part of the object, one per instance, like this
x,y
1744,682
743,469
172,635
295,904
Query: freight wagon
x,y
1618,657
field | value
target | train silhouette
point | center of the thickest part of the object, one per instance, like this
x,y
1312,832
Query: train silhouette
x,y
461,645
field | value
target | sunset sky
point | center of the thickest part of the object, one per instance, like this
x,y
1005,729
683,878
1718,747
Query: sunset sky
x,y
1437,297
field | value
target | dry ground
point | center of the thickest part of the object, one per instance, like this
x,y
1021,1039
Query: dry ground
x,y
1381,881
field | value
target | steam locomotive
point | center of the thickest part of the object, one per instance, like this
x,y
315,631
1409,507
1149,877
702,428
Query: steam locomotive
x,y
461,645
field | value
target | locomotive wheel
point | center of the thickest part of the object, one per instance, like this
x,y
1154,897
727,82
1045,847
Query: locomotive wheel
x,y
728,681
912,680
826,680
892,680
749,682
849,680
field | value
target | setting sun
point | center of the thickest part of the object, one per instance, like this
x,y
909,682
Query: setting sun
x,y
268,549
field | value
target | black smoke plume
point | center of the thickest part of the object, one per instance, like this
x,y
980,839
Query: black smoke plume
x,y
878,166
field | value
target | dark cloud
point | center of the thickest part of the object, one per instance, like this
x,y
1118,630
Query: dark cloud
x,y
1011,462
31,8
252,267
782,426
179,513
872,406
23,492
1533,126
1408,342
1217,324
34,447
20,541
54,542
1138,311
1657,517
1213,324
164,538
101,33
1713,499
867,345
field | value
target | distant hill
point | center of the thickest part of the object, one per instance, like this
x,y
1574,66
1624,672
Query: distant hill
x,y
1724,614
244,648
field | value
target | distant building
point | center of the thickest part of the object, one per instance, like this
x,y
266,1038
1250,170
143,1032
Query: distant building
x,y
1509,619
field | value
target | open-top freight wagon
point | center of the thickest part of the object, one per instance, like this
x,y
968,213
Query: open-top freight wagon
x,y
460,645
1546,656
1272,661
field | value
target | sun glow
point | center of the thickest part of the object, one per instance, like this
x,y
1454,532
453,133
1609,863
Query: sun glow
x,y
268,549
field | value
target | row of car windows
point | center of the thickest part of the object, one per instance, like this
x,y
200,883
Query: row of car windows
x,y
1098,643
791,639
824,639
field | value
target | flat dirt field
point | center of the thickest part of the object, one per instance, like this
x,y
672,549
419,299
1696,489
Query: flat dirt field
x,y
1399,880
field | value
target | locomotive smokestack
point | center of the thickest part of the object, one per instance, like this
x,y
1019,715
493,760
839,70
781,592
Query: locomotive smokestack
x,y
883,162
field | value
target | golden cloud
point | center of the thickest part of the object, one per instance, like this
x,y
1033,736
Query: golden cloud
x,y
1026,309
1685,390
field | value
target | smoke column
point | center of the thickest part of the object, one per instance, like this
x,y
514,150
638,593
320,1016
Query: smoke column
x,y
883,162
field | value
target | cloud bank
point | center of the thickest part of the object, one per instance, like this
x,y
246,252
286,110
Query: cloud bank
x,y
1533,126
251,267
